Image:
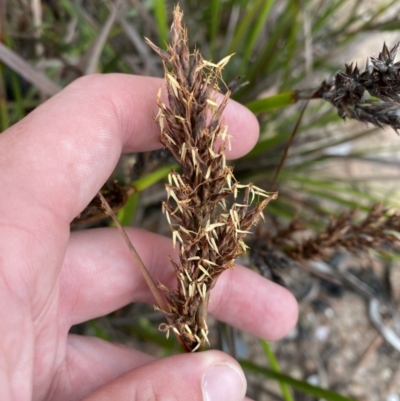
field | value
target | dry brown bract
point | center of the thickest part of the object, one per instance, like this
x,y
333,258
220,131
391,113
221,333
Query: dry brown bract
x,y
209,230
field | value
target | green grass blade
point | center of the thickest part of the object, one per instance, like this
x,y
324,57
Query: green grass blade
x,y
246,28
144,329
337,192
254,34
366,26
249,15
98,331
300,385
270,55
381,9
287,395
215,11
279,210
160,11
153,177
321,22
4,116
354,15
272,102
19,104
283,132
16,88
265,145
291,44
321,145
127,213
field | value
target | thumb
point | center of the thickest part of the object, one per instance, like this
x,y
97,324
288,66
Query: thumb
x,y
204,376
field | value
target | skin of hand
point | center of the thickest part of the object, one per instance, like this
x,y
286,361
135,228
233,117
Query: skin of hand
x,y
52,163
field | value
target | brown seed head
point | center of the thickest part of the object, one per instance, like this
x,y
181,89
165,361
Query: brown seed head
x,y
206,224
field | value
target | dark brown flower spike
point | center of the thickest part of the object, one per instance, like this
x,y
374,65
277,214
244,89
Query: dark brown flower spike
x,y
381,79
206,219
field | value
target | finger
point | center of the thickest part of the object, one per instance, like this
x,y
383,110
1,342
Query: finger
x,y
249,302
61,154
90,363
99,275
205,376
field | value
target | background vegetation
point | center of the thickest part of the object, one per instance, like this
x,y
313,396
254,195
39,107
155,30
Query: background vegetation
x,y
283,50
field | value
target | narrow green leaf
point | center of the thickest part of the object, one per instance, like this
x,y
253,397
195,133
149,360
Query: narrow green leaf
x,y
284,211
269,55
287,395
272,102
16,88
300,385
127,213
161,20
336,198
4,116
98,330
265,145
321,22
153,177
381,9
322,184
354,15
250,13
215,11
255,31
324,143
292,45
19,104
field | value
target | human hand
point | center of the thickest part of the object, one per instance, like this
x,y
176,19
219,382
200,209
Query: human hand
x,y
52,164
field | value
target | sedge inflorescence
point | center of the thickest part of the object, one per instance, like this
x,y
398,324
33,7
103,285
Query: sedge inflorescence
x,y
381,79
207,221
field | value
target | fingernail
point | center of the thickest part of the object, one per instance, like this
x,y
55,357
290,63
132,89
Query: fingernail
x,y
223,382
